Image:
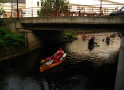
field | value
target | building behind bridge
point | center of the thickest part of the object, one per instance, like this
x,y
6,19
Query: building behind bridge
x,y
29,8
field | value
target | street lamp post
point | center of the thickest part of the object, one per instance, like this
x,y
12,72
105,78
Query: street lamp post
x,y
57,7
32,8
100,7
17,11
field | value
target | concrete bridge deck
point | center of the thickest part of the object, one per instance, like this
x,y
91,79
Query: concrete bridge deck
x,y
75,20
70,20
67,22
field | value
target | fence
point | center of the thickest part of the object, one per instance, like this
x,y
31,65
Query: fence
x,y
85,10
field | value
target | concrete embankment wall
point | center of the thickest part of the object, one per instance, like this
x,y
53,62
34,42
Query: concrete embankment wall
x,y
119,84
43,38
16,27
37,37
32,40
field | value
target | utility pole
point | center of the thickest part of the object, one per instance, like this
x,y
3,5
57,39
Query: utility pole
x,y
17,11
57,7
100,7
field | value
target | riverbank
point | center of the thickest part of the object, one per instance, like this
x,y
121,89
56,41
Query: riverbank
x,y
19,52
13,54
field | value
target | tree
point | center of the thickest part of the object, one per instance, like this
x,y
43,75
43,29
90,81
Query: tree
x,y
1,7
53,7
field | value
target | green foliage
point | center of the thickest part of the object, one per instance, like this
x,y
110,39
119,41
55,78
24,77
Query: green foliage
x,y
3,32
51,7
2,10
11,40
1,7
1,22
70,35
47,8
2,44
63,6
1,1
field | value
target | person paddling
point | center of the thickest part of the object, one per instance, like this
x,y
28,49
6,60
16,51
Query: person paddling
x,y
60,52
107,40
55,58
84,36
91,43
48,58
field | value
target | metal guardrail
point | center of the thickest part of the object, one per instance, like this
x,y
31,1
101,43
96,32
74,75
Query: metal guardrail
x,y
85,10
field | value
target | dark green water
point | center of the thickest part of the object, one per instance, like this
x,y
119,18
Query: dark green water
x,y
82,70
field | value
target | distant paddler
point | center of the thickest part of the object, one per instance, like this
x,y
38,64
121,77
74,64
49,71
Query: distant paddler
x,y
84,36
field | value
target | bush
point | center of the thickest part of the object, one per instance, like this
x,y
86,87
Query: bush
x,y
69,35
3,32
10,40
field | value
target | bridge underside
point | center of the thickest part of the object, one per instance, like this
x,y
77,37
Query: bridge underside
x,y
51,26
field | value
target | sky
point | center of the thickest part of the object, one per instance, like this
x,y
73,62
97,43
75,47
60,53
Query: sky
x,y
97,3
81,1
121,1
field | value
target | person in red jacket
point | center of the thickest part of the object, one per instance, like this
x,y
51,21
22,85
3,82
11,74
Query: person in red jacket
x,y
107,40
55,57
60,52
84,35
48,58
93,37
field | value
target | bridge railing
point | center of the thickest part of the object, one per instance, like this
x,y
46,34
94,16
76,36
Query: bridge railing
x,y
85,10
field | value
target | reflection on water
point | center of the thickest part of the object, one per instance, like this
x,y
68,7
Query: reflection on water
x,y
82,70
101,52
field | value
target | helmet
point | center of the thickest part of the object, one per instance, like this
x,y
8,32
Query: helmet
x,y
92,37
60,48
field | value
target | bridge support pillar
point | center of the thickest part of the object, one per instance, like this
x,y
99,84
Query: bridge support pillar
x,y
119,83
18,25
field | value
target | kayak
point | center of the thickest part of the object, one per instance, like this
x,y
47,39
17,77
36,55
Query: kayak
x,y
107,41
112,36
49,64
90,46
84,37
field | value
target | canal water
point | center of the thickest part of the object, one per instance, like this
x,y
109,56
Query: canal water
x,y
82,70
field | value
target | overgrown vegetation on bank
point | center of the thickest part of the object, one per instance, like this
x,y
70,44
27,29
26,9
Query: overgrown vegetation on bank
x,y
69,35
9,40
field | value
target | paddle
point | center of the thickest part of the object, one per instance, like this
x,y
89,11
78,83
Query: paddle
x,y
96,44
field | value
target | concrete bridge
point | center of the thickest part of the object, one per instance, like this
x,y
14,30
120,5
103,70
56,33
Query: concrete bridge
x,y
74,20
67,22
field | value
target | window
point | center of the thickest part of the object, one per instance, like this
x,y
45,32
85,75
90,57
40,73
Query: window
x,y
41,3
38,12
37,3
122,9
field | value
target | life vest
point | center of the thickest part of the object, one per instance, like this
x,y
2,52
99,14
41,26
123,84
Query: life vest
x,y
55,61
60,52
84,36
55,57
93,37
107,37
59,57
48,58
